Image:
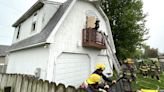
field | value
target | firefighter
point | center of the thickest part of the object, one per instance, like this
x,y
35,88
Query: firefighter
x,y
99,70
97,23
128,70
92,83
154,70
144,69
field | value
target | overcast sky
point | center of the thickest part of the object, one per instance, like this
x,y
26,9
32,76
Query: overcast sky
x,y
155,22
11,10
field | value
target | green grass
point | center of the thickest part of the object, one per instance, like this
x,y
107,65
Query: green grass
x,y
148,83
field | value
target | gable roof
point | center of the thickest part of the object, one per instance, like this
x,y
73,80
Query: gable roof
x,y
3,50
41,37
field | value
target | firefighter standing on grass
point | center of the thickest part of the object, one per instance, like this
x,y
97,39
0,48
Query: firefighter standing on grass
x,y
144,69
128,70
154,70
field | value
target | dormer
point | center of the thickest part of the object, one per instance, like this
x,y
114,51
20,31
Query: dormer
x,y
34,20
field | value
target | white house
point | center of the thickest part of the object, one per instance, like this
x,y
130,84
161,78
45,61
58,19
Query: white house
x,y
51,40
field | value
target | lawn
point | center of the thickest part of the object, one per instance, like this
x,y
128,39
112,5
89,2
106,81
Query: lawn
x,y
148,83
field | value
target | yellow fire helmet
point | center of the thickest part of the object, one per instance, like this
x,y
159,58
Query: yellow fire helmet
x,y
146,90
93,79
100,66
129,61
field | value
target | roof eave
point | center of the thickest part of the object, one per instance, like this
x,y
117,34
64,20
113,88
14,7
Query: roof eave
x,y
27,47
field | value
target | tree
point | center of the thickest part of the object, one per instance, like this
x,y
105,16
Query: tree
x,y
127,25
138,54
151,52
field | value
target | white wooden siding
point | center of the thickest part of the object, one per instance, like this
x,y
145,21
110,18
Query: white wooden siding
x,y
68,37
26,61
72,69
108,64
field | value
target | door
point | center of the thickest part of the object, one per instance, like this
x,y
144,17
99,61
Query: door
x,y
72,69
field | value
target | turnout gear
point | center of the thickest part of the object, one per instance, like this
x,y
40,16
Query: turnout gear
x,y
144,68
92,83
102,75
154,70
128,69
99,70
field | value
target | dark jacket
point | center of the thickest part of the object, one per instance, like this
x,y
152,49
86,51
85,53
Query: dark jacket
x,y
103,76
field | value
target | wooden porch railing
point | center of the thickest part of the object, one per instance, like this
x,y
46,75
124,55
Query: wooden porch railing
x,y
93,39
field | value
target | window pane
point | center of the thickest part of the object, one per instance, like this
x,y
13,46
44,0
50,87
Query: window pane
x,y
18,32
33,26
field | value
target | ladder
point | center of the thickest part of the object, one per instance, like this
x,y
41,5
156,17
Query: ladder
x,y
122,84
111,53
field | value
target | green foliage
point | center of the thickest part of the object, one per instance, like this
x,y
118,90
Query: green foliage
x,y
148,83
137,54
127,24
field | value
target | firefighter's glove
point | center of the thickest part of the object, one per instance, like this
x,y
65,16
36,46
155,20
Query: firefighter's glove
x,y
114,81
102,90
106,87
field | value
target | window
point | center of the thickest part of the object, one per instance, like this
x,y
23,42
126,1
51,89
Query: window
x,y
92,20
33,26
18,32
